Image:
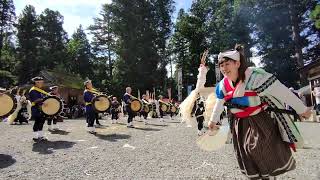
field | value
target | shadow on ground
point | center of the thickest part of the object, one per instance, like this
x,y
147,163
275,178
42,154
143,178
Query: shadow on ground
x,y
60,132
160,125
6,161
113,137
47,147
147,129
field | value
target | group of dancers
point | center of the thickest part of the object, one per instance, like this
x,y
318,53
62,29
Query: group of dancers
x,y
149,107
263,133
34,106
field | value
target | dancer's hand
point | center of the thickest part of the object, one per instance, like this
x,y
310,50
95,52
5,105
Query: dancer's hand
x,y
44,104
306,114
213,126
204,56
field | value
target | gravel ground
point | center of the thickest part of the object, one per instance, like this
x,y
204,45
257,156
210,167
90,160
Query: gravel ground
x,y
155,151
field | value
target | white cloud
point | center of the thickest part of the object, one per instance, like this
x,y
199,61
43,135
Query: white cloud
x,y
75,12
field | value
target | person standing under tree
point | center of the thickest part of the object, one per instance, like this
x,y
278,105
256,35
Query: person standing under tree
x,y
115,110
88,96
200,109
36,95
127,101
316,94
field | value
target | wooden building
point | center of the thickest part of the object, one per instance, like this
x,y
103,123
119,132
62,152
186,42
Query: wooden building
x,y
312,71
70,86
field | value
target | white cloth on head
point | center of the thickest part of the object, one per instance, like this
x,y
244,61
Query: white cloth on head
x,y
234,54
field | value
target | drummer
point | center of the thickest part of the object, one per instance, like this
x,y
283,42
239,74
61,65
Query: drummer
x,y
36,95
2,91
52,121
143,112
170,109
127,101
88,95
160,110
115,110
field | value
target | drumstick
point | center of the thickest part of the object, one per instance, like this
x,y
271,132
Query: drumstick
x,y
23,92
204,56
18,91
148,95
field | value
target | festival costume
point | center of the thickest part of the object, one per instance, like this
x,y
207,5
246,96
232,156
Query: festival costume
x,y
36,95
261,139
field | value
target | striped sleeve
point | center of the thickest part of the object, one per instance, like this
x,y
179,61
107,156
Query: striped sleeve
x,y
219,90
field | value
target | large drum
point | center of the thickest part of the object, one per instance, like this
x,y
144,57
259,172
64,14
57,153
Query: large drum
x,y
173,109
135,105
7,105
146,107
101,103
53,106
164,107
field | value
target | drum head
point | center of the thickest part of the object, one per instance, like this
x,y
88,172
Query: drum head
x,y
173,109
164,108
135,105
53,106
101,103
146,109
7,105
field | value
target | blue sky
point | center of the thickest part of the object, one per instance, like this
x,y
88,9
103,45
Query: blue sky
x,y
78,12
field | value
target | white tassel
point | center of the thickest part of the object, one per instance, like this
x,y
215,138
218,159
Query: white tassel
x,y
14,115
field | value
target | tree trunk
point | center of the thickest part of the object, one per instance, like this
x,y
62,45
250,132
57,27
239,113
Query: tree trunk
x,y
109,49
297,40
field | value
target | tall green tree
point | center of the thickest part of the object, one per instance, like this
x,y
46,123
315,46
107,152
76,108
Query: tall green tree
x,y
274,42
162,11
312,35
8,64
179,46
80,57
53,39
315,16
103,42
27,44
279,28
213,25
7,19
138,64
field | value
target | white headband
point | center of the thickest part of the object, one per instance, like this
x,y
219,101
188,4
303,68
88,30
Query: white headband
x,y
234,54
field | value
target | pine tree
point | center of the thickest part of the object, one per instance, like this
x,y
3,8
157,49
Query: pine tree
x,y
28,43
79,51
53,39
103,42
7,19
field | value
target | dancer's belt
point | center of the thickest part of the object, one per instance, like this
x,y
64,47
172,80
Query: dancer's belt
x,y
269,109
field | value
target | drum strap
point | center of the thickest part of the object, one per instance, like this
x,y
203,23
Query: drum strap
x,y
39,90
93,91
